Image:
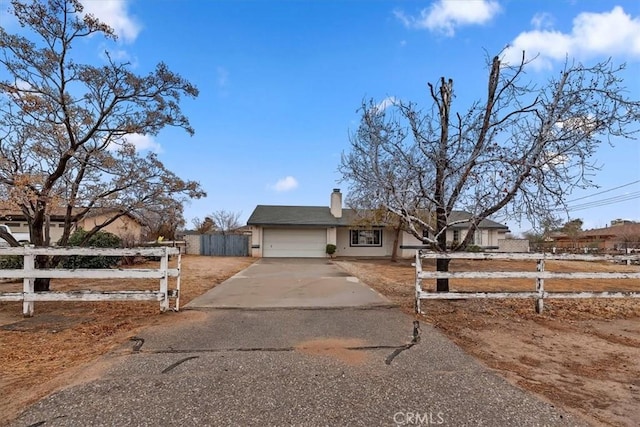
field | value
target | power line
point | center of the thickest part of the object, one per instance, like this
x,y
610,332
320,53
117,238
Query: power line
x,y
604,191
604,202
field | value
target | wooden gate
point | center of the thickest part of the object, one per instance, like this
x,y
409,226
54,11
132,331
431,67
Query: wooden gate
x,y
224,244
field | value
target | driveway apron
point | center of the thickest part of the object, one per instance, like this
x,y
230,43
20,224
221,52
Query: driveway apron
x,y
291,342
290,283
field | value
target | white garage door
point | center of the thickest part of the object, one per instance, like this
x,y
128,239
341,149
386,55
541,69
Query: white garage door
x,y
294,243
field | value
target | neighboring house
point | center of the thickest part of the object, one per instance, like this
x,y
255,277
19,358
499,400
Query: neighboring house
x,y
127,227
619,236
18,223
304,231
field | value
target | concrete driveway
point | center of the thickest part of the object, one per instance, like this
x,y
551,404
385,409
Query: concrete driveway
x,y
290,283
356,362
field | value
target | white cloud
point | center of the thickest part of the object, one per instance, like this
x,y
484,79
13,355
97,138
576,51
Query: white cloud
x,y
114,13
542,20
613,33
445,16
385,103
143,142
118,55
287,183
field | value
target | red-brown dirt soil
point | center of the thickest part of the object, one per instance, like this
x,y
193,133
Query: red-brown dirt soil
x,y
40,354
582,355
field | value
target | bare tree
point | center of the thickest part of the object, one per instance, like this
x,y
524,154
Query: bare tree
x,y
380,217
518,152
628,237
66,127
226,221
205,225
163,219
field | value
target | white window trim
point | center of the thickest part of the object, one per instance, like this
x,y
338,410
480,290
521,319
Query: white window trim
x,y
367,245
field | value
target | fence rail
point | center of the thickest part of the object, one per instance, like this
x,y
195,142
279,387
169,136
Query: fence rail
x,y
539,295
29,273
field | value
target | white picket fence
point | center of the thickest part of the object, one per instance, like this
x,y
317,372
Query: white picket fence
x,y
539,295
29,273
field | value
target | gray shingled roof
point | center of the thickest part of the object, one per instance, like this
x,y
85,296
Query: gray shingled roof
x,y
485,223
294,215
320,216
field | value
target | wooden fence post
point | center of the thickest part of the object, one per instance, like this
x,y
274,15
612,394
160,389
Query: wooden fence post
x,y
178,281
28,266
164,281
418,281
540,287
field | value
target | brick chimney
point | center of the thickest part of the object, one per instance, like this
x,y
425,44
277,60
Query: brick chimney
x,y
336,203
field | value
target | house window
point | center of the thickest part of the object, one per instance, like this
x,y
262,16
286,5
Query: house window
x,y
477,238
456,235
366,237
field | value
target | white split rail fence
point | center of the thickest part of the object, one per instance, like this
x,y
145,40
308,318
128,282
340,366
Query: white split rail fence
x,y
539,295
29,273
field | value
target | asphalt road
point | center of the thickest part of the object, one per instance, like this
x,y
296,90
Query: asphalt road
x,y
361,365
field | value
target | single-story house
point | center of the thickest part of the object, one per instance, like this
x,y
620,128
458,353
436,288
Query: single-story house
x,y
127,227
619,236
304,232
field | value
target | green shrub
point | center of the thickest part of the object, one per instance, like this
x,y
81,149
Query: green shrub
x,y
331,249
474,248
11,262
102,239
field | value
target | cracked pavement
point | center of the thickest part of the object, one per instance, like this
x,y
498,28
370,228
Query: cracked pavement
x,y
366,364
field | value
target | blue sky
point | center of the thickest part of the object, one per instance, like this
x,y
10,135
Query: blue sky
x,y
280,81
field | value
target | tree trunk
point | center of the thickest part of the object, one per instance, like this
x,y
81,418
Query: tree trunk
x,y
394,253
36,230
442,264
41,284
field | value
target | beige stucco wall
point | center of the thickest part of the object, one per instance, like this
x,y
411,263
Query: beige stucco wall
x,y
344,247
55,229
193,244
513,245
484,237
256,242
341,238
332,236
124,227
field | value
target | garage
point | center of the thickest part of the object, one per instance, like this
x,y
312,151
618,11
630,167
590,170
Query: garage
x,y
294,242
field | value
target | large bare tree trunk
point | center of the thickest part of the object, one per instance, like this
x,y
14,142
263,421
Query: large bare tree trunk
x,y
442,165
396,239
36,230
442,264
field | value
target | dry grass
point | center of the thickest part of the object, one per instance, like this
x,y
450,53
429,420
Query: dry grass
x,y
580,354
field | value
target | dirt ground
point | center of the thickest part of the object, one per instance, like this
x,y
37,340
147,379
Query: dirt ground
x,y
581,355
40,354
